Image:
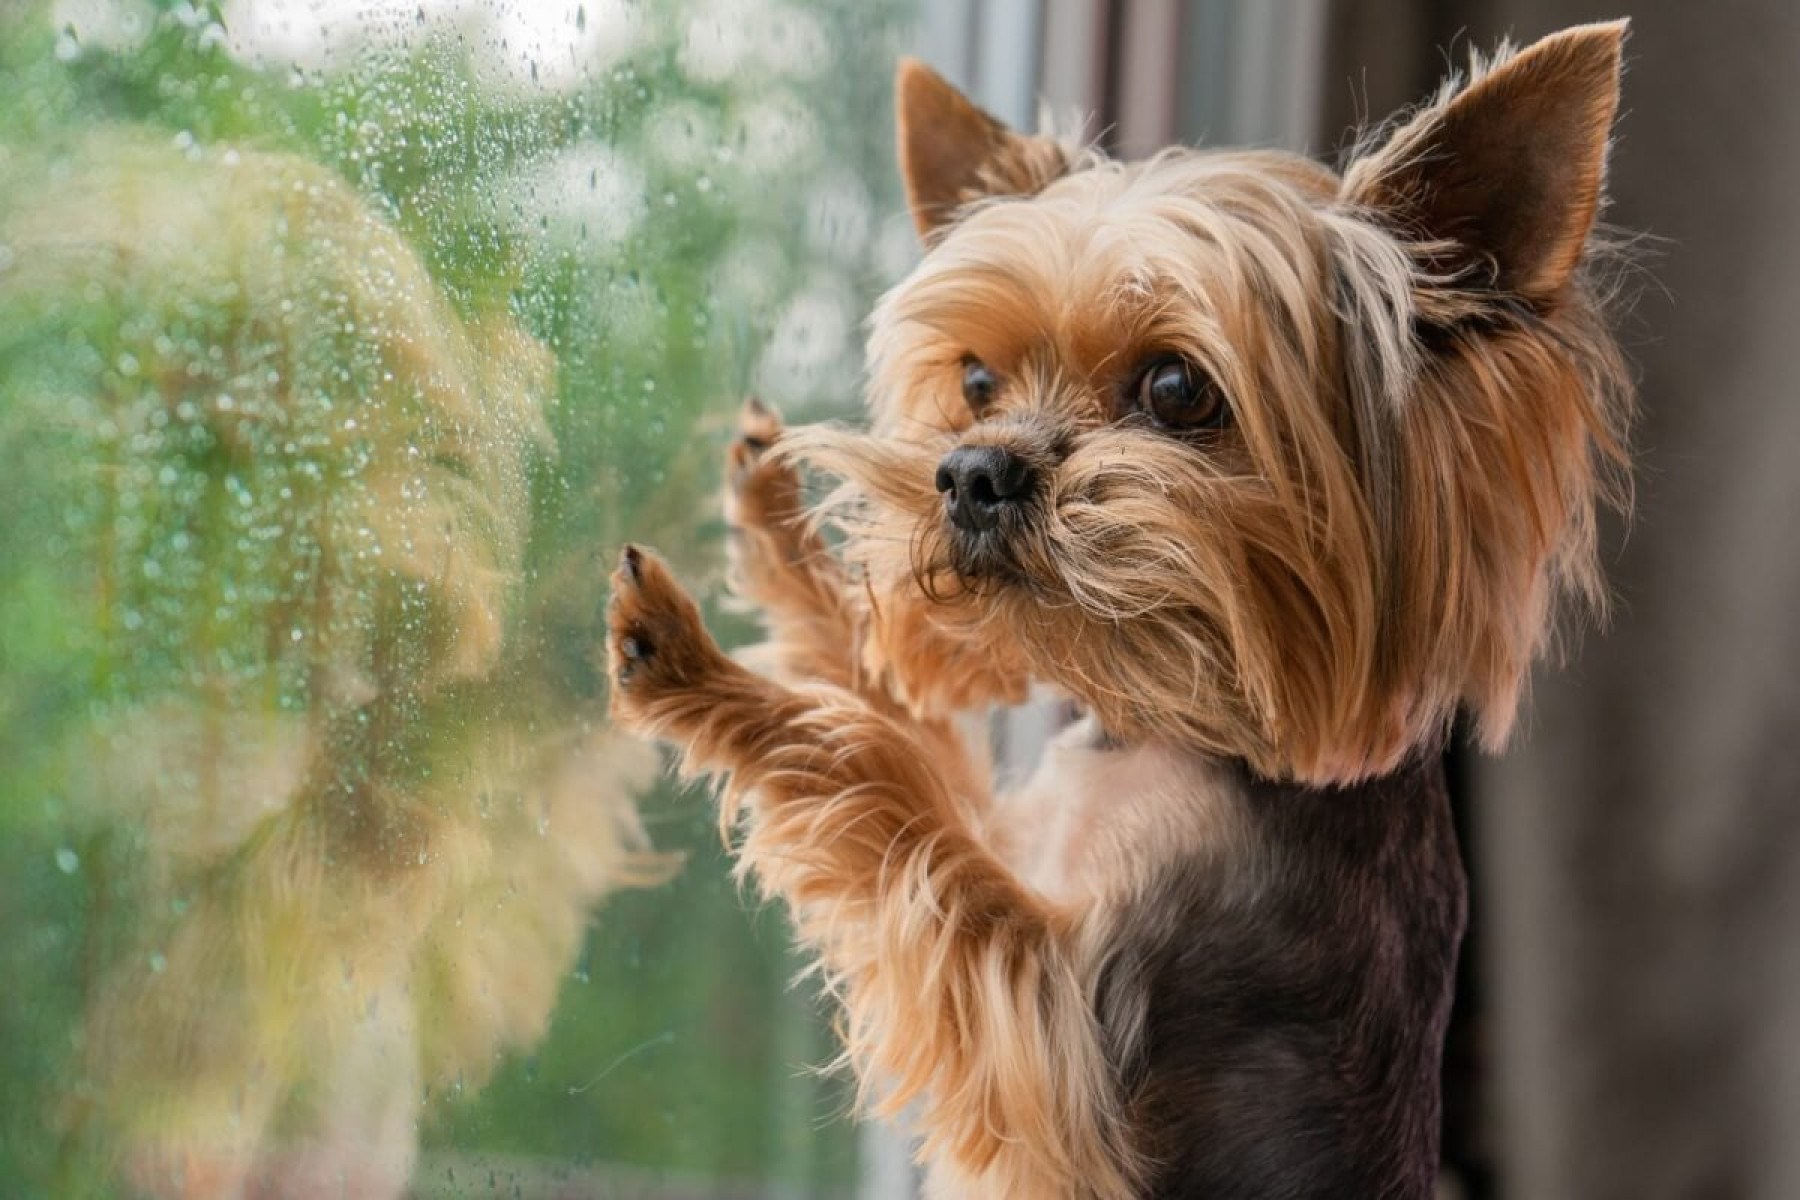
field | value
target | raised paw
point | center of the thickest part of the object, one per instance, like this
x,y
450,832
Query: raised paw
x,y
758,426
760,491
657,647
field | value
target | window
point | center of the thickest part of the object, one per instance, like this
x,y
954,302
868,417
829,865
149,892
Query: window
x,y
341,344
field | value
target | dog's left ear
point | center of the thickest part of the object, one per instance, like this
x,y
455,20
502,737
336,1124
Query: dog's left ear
x,y
1500,183
952,152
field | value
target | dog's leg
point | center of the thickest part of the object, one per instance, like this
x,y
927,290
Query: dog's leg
x,y
780,564
961,988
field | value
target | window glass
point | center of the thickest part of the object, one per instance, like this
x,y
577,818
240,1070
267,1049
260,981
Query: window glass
x,y
341,344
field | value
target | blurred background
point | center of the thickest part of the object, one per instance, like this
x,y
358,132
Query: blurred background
x,y
342,341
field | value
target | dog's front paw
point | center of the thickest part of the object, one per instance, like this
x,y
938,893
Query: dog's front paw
x,y
760,491
657,647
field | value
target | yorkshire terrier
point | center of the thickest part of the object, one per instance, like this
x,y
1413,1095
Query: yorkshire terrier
x,y
1269,470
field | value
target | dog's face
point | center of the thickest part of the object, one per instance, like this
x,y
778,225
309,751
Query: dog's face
x,y
1238,452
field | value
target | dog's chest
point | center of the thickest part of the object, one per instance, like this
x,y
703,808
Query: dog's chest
x,y
1095,819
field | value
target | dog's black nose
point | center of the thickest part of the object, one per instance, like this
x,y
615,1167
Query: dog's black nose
x,y
978,483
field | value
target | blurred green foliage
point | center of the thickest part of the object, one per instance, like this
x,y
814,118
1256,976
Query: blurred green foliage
x,y
326,393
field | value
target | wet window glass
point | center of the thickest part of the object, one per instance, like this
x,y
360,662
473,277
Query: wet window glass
x,y
342,342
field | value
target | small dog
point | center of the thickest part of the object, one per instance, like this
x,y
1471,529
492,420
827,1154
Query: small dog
x,y
1270,470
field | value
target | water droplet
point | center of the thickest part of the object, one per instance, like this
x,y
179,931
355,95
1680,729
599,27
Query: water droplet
x,y
67,861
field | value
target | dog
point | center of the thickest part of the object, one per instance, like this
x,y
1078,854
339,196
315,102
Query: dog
x,y
1271,470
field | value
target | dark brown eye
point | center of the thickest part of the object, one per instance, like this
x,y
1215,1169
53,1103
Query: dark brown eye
x,y
979,385
1180,397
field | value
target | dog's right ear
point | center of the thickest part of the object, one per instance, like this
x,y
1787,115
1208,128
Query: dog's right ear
x,y
952,152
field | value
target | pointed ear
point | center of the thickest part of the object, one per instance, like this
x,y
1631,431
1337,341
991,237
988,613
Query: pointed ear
x,y
1506,174
952,152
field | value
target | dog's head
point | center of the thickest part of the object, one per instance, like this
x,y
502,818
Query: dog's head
x,y
1280,463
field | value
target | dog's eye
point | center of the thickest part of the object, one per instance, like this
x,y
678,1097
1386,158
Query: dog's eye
x,y
979,385
1180,397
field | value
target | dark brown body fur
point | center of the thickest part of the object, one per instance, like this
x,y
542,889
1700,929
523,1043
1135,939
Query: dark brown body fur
x,y
1294,1003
